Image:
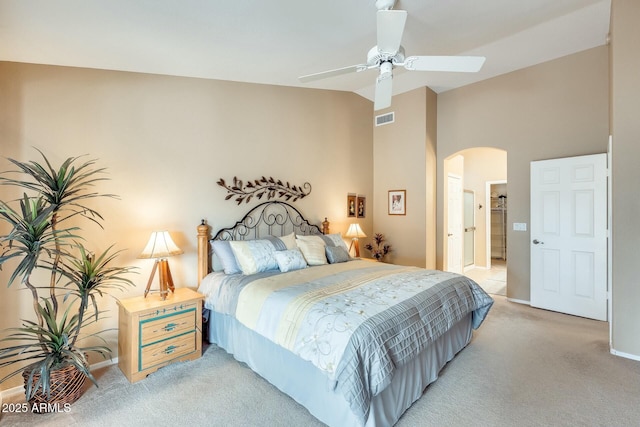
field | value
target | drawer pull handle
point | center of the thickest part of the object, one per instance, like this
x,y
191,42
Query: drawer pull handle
x,y
170,349
170,327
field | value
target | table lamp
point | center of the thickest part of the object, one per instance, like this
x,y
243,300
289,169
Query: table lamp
x,y
355,232
160,247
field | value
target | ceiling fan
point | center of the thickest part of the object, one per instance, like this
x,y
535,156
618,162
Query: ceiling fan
x,y
389,54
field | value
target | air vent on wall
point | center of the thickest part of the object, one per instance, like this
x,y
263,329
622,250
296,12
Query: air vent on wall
x,y
385,119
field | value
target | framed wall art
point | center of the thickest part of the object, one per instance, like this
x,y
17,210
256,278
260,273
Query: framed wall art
x,y
351,206
397,202
361,204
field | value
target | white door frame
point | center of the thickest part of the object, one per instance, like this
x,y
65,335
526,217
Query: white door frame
x,y
459,227
487,228
464,234
610,238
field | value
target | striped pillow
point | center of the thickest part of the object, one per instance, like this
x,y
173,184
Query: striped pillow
x,y
312,248
254,256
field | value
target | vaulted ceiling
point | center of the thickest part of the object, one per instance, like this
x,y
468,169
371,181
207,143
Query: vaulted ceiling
x,y
275,42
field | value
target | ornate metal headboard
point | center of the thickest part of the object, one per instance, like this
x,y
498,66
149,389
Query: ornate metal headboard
x,y
266,219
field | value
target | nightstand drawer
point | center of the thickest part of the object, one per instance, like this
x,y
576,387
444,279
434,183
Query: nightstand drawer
x,y
167,326
167,350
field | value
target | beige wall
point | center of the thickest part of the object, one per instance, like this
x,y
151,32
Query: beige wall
x,y
625,128
167,140
404,159
555,109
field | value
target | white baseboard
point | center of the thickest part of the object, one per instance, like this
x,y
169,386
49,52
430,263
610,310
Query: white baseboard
x,y
11,392
519,301
476,267
625,355
104,363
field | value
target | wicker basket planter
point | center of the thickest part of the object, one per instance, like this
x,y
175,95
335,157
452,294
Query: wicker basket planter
x,y
67,386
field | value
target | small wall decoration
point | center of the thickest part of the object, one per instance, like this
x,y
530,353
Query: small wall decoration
x,y
361,204
378,248
267,187
351,206
397,202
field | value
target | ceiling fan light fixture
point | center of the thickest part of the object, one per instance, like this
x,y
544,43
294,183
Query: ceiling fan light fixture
x,y
375,57
386,69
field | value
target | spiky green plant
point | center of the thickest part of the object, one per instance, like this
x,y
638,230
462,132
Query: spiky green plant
x,y
38,239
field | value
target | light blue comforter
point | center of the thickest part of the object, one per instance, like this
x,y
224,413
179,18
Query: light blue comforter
x,y
355,321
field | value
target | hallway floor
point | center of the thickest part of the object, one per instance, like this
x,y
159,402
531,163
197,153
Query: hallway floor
x,y
494,280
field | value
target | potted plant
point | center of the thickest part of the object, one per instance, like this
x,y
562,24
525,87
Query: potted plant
x,y
51,344
378,248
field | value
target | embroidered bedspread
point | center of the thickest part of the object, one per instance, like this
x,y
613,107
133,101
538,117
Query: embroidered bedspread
x,y
355,321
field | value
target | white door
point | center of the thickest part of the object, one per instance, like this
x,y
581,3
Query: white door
x,y
469,228
454,224
569,235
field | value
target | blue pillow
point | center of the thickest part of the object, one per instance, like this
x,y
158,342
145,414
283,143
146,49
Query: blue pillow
x,y
254,256
290,260
222,249
334,239
336,254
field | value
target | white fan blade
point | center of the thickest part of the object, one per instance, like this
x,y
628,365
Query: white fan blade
x,y
383,91
332,73
469,64
390,29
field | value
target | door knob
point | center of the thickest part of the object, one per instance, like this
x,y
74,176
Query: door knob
x,y
450,234
537,242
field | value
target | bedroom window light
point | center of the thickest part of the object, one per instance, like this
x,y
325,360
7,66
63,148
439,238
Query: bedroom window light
x,y
160,246
355,232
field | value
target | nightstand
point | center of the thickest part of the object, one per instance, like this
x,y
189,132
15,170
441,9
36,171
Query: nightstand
x,y
154,333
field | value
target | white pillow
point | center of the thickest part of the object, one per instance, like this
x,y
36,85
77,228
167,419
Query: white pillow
x,y
290,260
312,248
289,240
254,256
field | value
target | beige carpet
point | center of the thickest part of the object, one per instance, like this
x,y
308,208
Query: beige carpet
x,y
524,367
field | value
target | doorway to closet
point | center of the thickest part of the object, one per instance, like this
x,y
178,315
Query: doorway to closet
x,y
483,248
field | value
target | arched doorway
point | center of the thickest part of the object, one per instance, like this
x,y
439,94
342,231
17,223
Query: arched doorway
x,y
483,172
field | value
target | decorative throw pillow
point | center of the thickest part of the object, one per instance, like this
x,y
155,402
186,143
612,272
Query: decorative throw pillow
x,y
312,238
336,239
216,265
254,256
336,254
312,248
289,240
222,250
290,260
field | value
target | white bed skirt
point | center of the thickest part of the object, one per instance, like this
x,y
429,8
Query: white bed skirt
x,y
310,387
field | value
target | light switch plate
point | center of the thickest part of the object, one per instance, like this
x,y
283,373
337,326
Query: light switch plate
x,y
519,226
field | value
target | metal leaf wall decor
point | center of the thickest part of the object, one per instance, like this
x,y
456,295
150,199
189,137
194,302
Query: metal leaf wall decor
x,y
264,187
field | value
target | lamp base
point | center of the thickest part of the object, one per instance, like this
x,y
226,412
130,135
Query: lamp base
x,y
166,281
356,246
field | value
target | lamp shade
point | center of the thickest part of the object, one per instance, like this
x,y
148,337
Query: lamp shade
x,y
160,245
355,231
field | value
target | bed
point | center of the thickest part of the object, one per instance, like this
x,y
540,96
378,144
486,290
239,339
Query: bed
x,y
354,341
